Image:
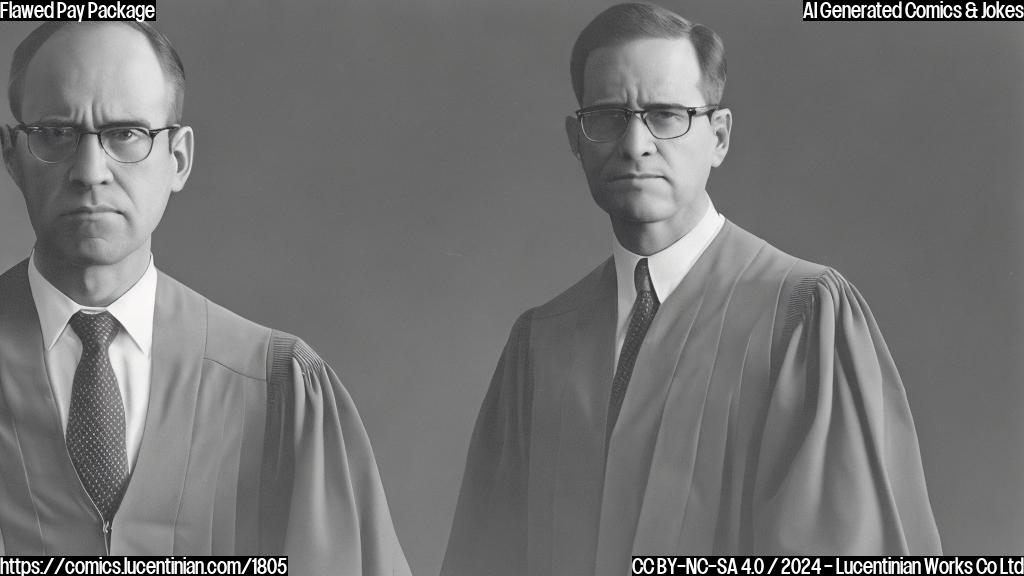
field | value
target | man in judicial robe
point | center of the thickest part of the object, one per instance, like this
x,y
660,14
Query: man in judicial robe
x,y
699,392
136,416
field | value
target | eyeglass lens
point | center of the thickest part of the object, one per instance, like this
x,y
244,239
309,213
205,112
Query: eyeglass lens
x,y
608,125
58,143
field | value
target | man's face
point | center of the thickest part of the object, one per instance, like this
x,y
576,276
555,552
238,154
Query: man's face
x,y
639,179
91,209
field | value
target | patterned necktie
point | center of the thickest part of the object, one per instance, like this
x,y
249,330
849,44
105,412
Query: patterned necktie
x,y
644,308
96,420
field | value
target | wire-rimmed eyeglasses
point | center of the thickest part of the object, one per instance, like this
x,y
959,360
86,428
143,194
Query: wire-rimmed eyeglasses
x,y
609,123
126,144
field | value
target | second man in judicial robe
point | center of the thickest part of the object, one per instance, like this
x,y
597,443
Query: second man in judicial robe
x,y
700,392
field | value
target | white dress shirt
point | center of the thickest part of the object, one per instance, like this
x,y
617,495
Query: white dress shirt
x,y
130,352
667,268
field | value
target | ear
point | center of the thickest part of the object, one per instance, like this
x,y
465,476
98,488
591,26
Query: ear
x,y
572,130
721,126
182,147
7,136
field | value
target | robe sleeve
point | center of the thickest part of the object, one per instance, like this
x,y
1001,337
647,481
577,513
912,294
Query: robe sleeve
x,y
839,468
488,533
322,498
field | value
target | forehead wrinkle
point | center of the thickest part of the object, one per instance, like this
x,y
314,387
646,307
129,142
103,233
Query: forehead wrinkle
x,y
642,72
92,76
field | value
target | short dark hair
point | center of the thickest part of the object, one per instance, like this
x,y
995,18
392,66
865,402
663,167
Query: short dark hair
x,y
170,63
624,23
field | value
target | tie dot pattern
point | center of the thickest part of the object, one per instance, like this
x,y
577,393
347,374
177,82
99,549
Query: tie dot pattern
x,y
96,420
644,308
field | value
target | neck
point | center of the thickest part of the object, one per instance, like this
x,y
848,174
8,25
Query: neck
x,y
95,285
647,238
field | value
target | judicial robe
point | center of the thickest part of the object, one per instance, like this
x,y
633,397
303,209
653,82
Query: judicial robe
x,y
251,446
764,416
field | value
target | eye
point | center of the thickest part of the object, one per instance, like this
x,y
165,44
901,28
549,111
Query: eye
x,y
666,117
55,133
610,117
610,113
123,135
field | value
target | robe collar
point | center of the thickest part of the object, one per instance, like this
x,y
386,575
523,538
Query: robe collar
x,y
667,268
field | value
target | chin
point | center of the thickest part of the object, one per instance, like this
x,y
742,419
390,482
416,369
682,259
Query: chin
x,y
96,252
640,210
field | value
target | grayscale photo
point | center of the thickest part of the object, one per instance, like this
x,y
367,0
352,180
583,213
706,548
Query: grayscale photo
x,y
513,289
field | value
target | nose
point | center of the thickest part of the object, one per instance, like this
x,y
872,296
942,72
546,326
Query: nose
x,y
91,164
638,140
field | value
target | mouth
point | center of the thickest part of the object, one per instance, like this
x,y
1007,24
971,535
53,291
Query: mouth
x,y
92,211
630,176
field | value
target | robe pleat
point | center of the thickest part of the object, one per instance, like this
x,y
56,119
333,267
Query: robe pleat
x,y
765,415
251,446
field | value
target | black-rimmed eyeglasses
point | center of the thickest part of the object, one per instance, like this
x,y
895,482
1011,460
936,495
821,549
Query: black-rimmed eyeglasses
x,y
126,144
609,123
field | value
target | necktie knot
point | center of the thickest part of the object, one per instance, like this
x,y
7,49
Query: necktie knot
x,y
95,330
642,277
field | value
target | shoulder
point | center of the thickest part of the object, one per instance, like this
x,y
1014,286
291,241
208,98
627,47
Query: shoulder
x,y
595,285
762,261
14,275
289,353
825,304
797,278
811,286
804,289
14,288
234,341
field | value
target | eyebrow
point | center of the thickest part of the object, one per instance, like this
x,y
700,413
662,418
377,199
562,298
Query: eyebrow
x,y
59,122
650,106
667,106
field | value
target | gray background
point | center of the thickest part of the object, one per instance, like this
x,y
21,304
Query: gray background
x,y
391,181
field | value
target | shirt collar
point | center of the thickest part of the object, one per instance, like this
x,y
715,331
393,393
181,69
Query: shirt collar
x,y
133,310
668,267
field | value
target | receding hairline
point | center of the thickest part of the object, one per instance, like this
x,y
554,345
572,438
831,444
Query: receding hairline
x,y
83,29
622,24
620,44
167,60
